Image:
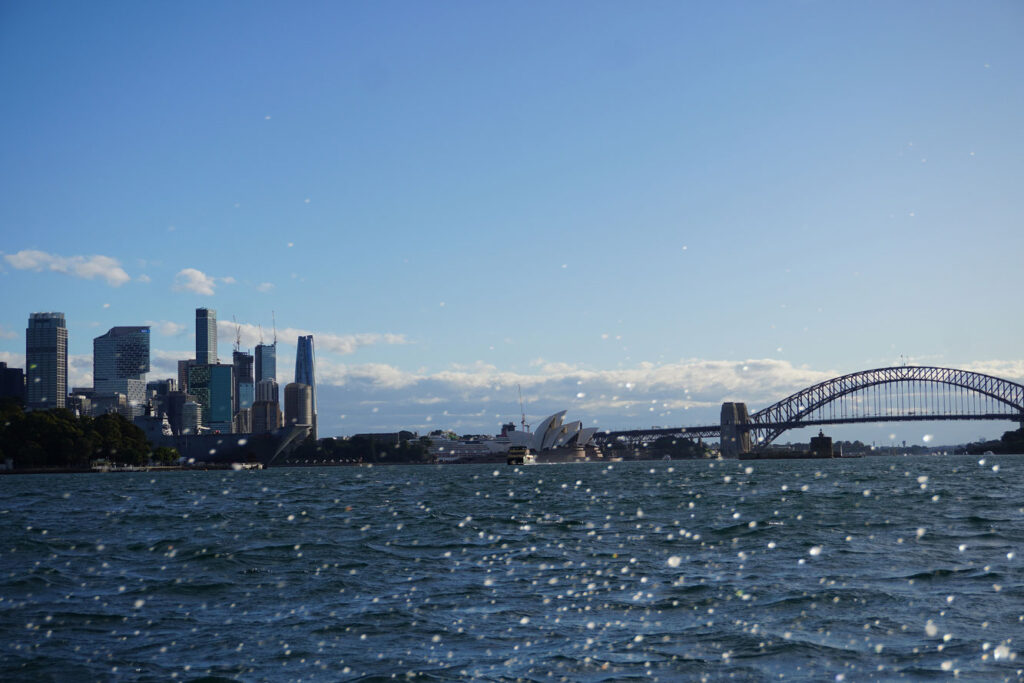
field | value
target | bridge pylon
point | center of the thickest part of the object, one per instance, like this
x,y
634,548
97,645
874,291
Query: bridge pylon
x,y
734,440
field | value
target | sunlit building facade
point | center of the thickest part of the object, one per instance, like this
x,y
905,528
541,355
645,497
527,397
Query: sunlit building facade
x,y
46,361
206,336
266,362
120,361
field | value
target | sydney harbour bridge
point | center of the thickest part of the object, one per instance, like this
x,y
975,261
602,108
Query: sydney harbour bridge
x,y
896,394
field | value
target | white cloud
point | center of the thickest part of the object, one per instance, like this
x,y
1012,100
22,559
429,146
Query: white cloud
x,y
7,334
79,370
167,328
265,286
164,364
144,278
86,267
476,398
13,360
1005,369
228,280
192,280
343,344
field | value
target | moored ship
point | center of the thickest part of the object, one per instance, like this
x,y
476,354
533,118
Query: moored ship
x,y
264,448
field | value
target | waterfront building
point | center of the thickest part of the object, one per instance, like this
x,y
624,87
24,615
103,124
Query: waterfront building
x,y
120,361
46,361
266,362
12,382
298,404
305,373
213,388
206,336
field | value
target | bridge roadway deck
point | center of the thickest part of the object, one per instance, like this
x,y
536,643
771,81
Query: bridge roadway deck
x,y
715,431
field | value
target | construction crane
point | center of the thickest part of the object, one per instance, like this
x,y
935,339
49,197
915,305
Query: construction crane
x,y
238,334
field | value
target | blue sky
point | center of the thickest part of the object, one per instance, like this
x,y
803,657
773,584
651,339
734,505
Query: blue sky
x,y
618,206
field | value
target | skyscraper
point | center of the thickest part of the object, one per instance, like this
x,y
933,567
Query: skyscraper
x,y
46,361
298,404
305,373
120,361
206,336
244,386
213,388
266,411
266,362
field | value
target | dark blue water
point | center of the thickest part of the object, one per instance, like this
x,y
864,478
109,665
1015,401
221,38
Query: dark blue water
x,y
876,568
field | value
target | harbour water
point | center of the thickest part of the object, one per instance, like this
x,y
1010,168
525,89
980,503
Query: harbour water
x,y
861,569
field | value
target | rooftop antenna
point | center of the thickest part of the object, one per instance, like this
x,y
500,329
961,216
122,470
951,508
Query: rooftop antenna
x,y
273,317
522,411
261,333
238,334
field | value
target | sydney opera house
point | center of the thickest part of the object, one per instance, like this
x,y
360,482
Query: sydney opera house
x,y
554,440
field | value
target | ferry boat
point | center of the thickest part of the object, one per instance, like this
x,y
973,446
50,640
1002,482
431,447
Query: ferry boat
x,y
521,455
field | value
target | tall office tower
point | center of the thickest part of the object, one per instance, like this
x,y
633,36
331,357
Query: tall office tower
x,y
120,361
298,404
213,388
206,336
12,382
244,386
183,366
305,373
266,416
267,390
266,362
46,361
266,410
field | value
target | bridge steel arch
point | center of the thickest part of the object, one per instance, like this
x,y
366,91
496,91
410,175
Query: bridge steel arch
x,y
767,424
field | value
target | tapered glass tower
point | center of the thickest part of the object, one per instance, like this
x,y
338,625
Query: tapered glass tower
x,y
305,372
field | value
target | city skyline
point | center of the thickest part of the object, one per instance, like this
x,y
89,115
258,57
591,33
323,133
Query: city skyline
x,y
635,215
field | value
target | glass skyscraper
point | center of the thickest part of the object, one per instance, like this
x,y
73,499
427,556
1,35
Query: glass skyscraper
x,y
266,362
120,361
305,373
206,336
244,386
46,361
213,388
